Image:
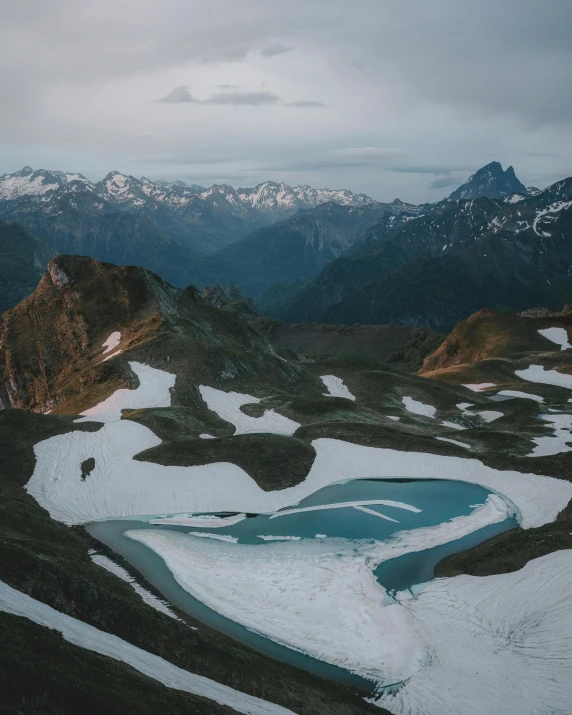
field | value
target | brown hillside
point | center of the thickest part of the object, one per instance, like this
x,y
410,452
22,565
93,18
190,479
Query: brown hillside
x,y
491,336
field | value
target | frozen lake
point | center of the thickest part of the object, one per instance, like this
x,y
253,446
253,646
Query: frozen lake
x,y
345,513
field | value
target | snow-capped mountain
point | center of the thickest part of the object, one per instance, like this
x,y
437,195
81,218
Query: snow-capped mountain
x,y
492,182
38,184
128,190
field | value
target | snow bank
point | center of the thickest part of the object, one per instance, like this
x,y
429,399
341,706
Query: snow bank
x,y
454,441
86,636
209,521
537,373
559,336
418,408
524,395
112,342
336,387
227,406
499,644
296,593
149,598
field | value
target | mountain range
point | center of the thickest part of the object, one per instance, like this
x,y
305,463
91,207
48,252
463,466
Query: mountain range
x,y
320,256
450,260
199,218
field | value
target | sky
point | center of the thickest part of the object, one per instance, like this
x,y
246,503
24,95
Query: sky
x,y
392,98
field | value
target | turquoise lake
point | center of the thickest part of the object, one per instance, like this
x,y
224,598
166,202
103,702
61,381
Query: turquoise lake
x,y
438,500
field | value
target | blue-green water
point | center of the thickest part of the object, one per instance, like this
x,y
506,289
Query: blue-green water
x,y
438,500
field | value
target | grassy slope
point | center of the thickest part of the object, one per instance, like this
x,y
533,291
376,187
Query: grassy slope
x,y
399,345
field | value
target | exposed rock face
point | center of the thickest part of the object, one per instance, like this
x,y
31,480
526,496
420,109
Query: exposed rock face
x,y
490,181
57,274
51,344
229,298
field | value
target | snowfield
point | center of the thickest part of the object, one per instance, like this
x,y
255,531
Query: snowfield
x,y
121,486
465,646
498,644
86,636
336,387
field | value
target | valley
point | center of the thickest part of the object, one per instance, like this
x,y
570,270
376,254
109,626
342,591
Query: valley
x,y
239,493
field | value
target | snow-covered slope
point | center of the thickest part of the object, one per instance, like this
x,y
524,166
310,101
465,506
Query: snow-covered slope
x,y
86,636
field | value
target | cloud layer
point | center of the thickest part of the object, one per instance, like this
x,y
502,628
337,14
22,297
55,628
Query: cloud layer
x,y
395,103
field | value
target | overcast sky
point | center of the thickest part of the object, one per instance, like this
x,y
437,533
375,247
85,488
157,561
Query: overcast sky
x,y
388,97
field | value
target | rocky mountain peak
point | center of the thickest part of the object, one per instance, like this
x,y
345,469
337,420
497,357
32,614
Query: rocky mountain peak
x,y
492,182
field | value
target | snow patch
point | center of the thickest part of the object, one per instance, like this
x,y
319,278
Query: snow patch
x,y
418,408
454,441
538,373
479,387
336,387
453,425
153,391
546,446
112,341
524,395
227,406
559,336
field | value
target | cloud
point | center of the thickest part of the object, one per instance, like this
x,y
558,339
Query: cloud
x,y
305,103
276,49
424,83
181,95
369,153
442,183
178,95
251,98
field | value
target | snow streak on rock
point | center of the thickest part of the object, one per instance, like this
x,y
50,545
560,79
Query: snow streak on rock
x,y
149,598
